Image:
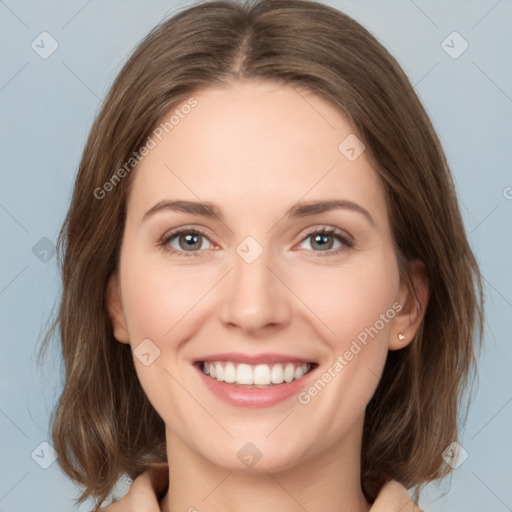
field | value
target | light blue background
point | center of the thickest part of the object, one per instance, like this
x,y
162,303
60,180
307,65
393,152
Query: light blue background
x,y
47,107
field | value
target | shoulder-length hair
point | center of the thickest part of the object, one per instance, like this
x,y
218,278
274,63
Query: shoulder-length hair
x,y
103,425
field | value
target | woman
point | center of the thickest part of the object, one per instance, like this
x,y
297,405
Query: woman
x,y
311,356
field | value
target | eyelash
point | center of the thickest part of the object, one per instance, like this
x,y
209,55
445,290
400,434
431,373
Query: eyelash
x,y
346,241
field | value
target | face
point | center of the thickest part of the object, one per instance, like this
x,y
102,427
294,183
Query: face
x,y
290,269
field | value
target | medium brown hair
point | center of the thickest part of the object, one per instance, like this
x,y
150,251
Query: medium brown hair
x,y
103,425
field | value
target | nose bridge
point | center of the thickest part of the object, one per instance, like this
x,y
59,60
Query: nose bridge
x,y
254,297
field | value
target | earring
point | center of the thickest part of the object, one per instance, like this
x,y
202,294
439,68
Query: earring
x,y
401,336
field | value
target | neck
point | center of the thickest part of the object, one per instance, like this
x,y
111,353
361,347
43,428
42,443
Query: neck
x,y
328,481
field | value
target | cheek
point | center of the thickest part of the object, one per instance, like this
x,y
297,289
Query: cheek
x,y
159,302
355,306
354,299
158,298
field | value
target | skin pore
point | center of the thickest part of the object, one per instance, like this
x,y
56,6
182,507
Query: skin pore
x,y
254,150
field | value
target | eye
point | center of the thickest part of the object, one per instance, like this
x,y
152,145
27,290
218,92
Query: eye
x,y
324,241
185,241
189,242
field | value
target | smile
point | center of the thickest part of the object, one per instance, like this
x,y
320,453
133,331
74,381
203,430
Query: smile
x,y
258,375
260,380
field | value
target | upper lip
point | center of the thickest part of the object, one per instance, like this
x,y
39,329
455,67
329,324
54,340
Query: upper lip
x,y
267,358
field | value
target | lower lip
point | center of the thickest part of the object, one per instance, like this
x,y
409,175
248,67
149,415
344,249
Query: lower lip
x,y
254,397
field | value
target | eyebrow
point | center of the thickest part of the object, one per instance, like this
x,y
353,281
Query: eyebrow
x,y
209,210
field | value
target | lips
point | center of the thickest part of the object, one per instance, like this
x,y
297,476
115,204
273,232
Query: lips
x,y
254,380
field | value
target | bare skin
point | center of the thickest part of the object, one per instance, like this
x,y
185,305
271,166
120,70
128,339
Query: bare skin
x,y
255,150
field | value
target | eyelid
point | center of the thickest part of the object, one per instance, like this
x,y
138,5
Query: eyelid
x,y
325,228
186,228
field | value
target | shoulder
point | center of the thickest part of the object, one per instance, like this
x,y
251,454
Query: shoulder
x,y
144,491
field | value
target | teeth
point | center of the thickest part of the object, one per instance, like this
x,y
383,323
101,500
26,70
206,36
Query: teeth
x,y
277,374
289,372
229,373
219,372
263,375
243,374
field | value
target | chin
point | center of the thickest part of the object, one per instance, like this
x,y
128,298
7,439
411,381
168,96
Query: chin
x,y
255,454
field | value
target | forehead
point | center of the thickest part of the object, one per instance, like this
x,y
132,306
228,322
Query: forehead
x,y
256,143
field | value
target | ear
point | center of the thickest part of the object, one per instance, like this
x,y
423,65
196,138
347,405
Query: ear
x,y
413,297
115,310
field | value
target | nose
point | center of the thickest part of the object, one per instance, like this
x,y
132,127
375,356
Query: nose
x,y
255,297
